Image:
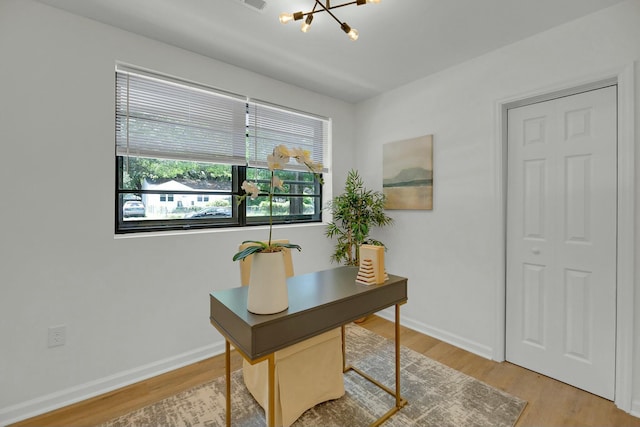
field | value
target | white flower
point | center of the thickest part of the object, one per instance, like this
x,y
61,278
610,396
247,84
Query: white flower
x,y
276,182
279,158
251,189
282,151
275,162
314,167
301,156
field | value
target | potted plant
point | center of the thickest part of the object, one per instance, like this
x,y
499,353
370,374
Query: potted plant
x,y
267,292
355,213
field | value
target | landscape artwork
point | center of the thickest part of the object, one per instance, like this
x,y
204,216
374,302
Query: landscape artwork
x,y
407,173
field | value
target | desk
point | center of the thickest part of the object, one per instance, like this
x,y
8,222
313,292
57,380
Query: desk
x,y
318,302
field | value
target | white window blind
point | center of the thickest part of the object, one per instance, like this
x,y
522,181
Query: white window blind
x,y
162,118
269,126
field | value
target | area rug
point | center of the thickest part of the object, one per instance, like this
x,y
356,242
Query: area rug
x,y
437,396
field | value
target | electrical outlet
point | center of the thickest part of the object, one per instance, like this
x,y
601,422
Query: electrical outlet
x,y
57,335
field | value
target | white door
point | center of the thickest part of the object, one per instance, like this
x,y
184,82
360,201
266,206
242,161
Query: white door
x,y
561,239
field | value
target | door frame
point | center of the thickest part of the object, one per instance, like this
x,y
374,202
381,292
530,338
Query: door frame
x,y
624,78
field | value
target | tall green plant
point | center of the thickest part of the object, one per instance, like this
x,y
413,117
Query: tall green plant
x,y
355,213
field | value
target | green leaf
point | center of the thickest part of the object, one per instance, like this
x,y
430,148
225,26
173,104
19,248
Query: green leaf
x,y
258,246
257,242
287,245
246,252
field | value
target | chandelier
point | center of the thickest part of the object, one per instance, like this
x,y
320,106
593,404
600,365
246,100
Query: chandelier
x,y
325,6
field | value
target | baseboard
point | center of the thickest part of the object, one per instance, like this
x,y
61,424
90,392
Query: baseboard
x,y
91,389
62,398
635,408
471,346
463,343
100,386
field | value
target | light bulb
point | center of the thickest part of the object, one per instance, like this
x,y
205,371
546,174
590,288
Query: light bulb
x,y
307,24
373,1
351,32
285,17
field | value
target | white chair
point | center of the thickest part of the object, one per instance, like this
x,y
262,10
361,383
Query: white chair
x,y
306,373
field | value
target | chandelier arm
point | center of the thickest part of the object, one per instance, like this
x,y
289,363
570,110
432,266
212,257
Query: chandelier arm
x,y
325,7
328,10
346,4
313,11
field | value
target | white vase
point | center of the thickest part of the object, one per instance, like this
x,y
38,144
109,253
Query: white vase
x,y
267,284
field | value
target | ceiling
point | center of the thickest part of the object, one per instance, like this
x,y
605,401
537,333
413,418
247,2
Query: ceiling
x,y
400,40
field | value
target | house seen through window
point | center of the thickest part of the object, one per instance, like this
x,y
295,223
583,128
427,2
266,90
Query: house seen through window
x,y
183,151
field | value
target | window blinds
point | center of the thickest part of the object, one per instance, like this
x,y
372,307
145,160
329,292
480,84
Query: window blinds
x,y
269,126
160,118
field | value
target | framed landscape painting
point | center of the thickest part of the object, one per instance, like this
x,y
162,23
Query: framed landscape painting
x,y
407,173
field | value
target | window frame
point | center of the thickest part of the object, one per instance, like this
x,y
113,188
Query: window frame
x,y
239,217
258,132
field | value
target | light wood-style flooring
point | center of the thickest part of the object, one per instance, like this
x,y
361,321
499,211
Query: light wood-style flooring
x,y
550,402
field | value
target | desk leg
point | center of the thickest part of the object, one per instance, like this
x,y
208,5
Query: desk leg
x,y
227,375
399,403
344,350
271,420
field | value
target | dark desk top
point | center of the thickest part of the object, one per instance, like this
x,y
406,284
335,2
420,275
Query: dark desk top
x,y
318,302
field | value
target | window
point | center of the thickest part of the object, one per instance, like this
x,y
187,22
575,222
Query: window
x,y
183,151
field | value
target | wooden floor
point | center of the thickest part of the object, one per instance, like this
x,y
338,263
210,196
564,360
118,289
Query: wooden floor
x,y
550,402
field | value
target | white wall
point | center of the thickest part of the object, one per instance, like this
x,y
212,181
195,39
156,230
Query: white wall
x,y
451,254
132,306
128,308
